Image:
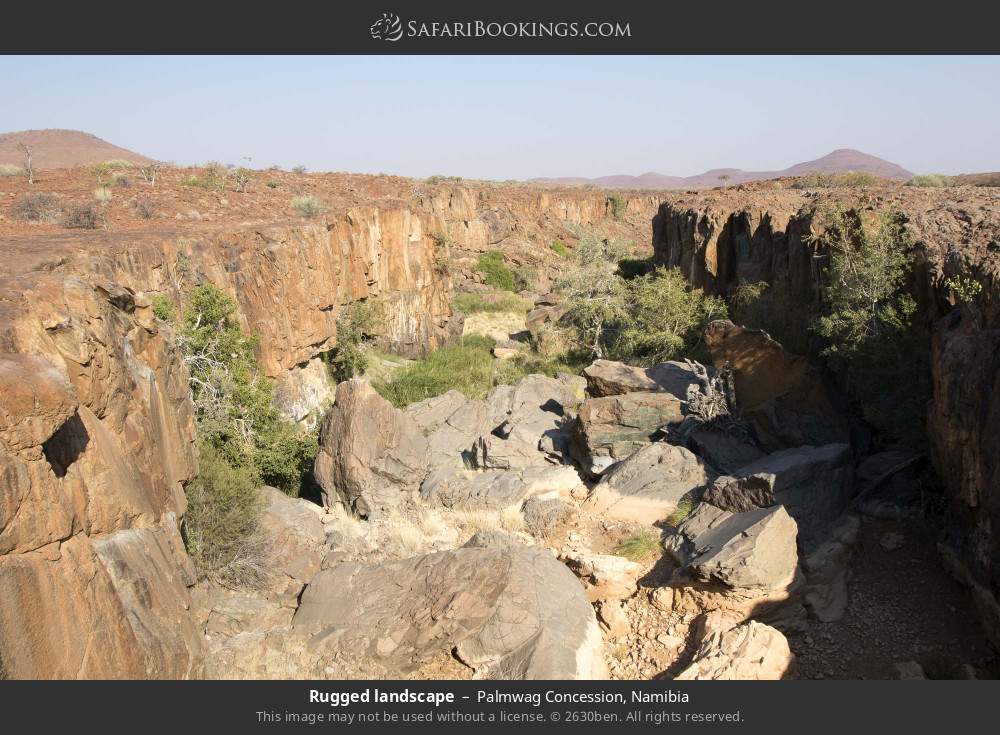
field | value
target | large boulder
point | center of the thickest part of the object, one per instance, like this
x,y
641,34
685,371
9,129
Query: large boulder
x,y
296,542
369,451
742,565
647,486
527,424
609,378
508,610
782,395
451,423
747,652
611,428
462,488
755,549
814,484
543,627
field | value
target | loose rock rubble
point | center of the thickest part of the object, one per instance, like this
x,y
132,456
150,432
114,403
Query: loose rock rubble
x,y
379,583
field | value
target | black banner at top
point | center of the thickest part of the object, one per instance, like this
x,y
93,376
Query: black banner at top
x,y
510,27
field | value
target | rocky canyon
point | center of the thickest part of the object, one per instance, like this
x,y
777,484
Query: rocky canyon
x,y
777,534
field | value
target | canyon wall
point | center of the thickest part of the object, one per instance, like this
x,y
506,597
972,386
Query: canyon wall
x,y
721,239
97,436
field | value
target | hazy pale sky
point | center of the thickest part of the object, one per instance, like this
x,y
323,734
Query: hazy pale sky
x,y
519,117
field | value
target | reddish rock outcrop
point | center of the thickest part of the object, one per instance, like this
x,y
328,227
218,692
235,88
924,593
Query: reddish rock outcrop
x,y
97,437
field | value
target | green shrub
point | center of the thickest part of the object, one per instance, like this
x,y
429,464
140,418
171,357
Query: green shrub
x,y
493,302
495,271
272,184
300,169
117,163
221,523
163,307
233,400
438,179
641,320
214,177
665,319
467,366
144,208
308,206
9,169
83,217
559,248
36,207
102,195
593,292
931,180
356,325
964,288
685,505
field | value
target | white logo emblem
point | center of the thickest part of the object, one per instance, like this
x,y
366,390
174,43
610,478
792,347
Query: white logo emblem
x,y
387,28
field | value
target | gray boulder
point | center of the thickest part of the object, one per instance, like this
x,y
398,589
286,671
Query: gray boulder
x,y
813,483
609,378
543,627
462,488
647,486
509,611
369,451
527,424
752,550
458,488
451,423
610,428
296,541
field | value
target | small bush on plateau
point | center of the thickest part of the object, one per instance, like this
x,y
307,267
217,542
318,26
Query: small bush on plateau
x,y
308,206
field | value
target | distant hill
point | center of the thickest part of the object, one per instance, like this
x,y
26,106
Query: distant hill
x,y
62,149
839,161
983,179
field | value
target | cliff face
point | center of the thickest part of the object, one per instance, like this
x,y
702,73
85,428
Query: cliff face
x,y
723,238
97,437
96,440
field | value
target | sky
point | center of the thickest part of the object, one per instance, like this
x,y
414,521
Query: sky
x,y
518,117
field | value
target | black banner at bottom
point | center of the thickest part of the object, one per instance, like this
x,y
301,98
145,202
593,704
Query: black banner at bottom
x,y
416,706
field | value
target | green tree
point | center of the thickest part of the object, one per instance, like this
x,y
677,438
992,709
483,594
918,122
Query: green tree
x,y
665,318
868,320
233,400
593,293
644,319
356,325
